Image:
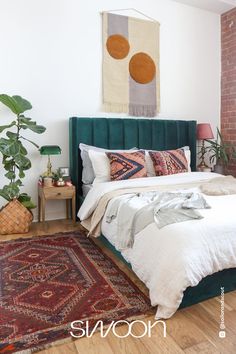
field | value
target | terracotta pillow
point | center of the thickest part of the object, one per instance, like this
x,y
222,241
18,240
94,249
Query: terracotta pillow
x,y
127,165
169,162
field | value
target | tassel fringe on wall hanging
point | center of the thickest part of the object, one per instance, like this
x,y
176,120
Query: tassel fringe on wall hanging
x,y
131,78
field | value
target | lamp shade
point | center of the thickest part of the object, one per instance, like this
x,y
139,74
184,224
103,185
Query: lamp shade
x,y
50,150
204,131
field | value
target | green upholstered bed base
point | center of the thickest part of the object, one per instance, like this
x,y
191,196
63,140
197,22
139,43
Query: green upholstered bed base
x,y
156,134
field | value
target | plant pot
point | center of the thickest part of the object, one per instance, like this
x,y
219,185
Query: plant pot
x,y
60,182
14,218
219,169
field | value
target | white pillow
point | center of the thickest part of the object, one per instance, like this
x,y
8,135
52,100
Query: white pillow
x,y
101,164
187,153
88,174
150,166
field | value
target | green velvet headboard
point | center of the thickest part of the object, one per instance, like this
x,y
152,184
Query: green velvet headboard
x,y
117,133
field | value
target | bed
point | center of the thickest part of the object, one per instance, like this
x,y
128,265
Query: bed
x,y
146,134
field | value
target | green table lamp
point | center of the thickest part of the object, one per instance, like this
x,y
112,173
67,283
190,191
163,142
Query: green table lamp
x,y
49,150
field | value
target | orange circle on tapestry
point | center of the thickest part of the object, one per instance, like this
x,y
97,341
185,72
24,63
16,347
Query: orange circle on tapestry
x,y
142,68
117,46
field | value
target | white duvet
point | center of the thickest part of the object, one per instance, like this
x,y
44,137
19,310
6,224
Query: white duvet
x,y
170,259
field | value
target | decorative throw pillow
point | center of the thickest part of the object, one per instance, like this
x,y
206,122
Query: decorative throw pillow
x,y
101,164
169,162
88,174
127,165
150,166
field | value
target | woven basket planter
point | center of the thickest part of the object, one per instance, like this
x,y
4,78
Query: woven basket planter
x,y
14,218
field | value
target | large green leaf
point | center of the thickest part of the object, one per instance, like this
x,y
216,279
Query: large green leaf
x,y
23,150
21,173
17,104
4,195
22,103
39,129
3,127
18,183
9,147
10,175
23,197
8,164
11,191
9,102
14,190
22,162
11,135
27,121
29,204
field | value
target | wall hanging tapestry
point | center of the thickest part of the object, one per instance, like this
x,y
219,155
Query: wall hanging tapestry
x,y
49,281
131,78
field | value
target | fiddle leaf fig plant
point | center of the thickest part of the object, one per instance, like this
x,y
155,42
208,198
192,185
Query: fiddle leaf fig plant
x,y
12,149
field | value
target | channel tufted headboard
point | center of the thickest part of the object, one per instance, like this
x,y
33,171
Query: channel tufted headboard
x,y
119,133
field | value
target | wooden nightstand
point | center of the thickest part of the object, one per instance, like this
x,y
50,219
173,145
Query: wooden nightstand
x,y
61,193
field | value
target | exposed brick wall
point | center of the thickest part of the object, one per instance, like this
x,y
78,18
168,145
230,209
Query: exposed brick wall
x,y
228,81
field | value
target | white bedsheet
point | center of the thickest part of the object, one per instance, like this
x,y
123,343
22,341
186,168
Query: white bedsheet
x,y
169,260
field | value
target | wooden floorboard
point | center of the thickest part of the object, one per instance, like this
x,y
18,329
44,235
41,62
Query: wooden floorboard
x,y
191,330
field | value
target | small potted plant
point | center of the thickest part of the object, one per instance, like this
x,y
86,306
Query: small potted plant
x,y
16,217
58,177
221,153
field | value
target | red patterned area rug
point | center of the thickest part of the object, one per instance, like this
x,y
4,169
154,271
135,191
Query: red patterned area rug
x,y
49,281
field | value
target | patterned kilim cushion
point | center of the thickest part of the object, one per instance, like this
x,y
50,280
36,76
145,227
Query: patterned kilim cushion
x,y
127,165
169,162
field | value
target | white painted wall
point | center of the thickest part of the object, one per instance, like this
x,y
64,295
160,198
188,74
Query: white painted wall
x,y
217,6
51,55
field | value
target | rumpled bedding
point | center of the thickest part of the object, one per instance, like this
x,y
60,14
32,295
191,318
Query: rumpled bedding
x,y
136,211
179,255
95,204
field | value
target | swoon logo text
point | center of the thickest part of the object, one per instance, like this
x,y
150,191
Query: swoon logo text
x,y
83,328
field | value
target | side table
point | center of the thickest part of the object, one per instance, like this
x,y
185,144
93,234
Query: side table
x,y
58,193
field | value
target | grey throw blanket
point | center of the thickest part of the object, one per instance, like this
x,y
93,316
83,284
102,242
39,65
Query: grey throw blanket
x,y
170,208
136,211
